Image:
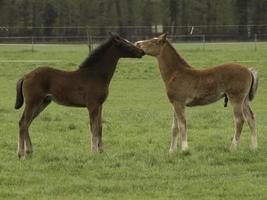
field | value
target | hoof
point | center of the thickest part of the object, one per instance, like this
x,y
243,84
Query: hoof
x,y
233,145
29,152
253,147
172,150
20,155
95,150
233,148
184,147
186,152
101,148
254,143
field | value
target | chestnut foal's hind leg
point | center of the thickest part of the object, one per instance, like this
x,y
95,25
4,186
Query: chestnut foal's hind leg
x,y
96,129
173,146
251,123
30,112
239,121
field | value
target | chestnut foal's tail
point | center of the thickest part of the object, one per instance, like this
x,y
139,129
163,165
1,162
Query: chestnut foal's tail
x,y
254,84
19,97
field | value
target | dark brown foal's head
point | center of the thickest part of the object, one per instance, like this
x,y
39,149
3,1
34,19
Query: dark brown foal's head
x,y
152,46
125,48
113,48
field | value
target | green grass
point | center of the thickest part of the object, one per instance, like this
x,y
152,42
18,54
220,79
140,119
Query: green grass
x,y
136,132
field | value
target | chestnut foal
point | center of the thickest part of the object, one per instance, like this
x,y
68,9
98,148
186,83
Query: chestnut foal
x,y
85,87
188,86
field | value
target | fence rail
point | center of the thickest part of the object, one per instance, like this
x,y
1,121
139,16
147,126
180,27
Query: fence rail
x,y
92,40
218,32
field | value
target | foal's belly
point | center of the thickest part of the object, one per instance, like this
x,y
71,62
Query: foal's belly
x,y
65,101
79,99
204,100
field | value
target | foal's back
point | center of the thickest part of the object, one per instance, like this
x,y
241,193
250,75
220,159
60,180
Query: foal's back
x,y
230,77
204,86
70,88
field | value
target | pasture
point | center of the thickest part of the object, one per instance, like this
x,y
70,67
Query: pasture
x,y
136,134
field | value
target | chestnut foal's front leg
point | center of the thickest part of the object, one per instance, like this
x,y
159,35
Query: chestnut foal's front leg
x,y
175,132
181,122
96,129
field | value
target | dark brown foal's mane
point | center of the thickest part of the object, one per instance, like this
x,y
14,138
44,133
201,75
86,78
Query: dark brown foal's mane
x,y
85,87
96,54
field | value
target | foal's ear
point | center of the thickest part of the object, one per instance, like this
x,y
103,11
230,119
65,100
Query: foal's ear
x,y
113,34
163,36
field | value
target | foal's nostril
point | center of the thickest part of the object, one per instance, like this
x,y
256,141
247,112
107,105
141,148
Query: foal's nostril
x,y
137,44
142,53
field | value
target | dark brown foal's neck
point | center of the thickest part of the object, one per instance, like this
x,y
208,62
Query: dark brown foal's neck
x,y
103,67
170,61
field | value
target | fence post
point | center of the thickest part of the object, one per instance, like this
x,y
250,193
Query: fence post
x,y
203,42
91,44
32,43
255,42
89,40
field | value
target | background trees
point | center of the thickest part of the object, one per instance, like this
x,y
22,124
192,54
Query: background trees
x,y
101,16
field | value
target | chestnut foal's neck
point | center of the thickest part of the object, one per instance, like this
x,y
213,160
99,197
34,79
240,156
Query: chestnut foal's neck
x,y
170,62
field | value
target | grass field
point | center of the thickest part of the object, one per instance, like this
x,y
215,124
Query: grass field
x,y
136,132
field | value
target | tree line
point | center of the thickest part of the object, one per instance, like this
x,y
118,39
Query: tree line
x,y
128,17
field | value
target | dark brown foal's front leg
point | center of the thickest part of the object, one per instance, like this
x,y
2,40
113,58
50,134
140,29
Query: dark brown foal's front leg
x,y
96,129
100,143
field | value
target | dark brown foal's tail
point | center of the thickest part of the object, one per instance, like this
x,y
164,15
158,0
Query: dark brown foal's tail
x,y
254,84
19,97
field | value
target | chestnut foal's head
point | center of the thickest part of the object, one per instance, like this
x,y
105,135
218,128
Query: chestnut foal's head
x,y
152,46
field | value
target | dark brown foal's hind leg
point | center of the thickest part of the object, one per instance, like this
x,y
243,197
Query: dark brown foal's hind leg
x,y
24,124
251,123
31,111
96,129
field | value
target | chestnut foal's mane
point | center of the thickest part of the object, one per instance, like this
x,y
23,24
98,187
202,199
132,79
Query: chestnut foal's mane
x,y
181,59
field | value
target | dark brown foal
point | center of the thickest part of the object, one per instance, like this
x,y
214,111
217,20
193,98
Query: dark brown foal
x,y
85,87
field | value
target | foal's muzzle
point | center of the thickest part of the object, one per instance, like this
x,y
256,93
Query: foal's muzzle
x,y
138,44
142,53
